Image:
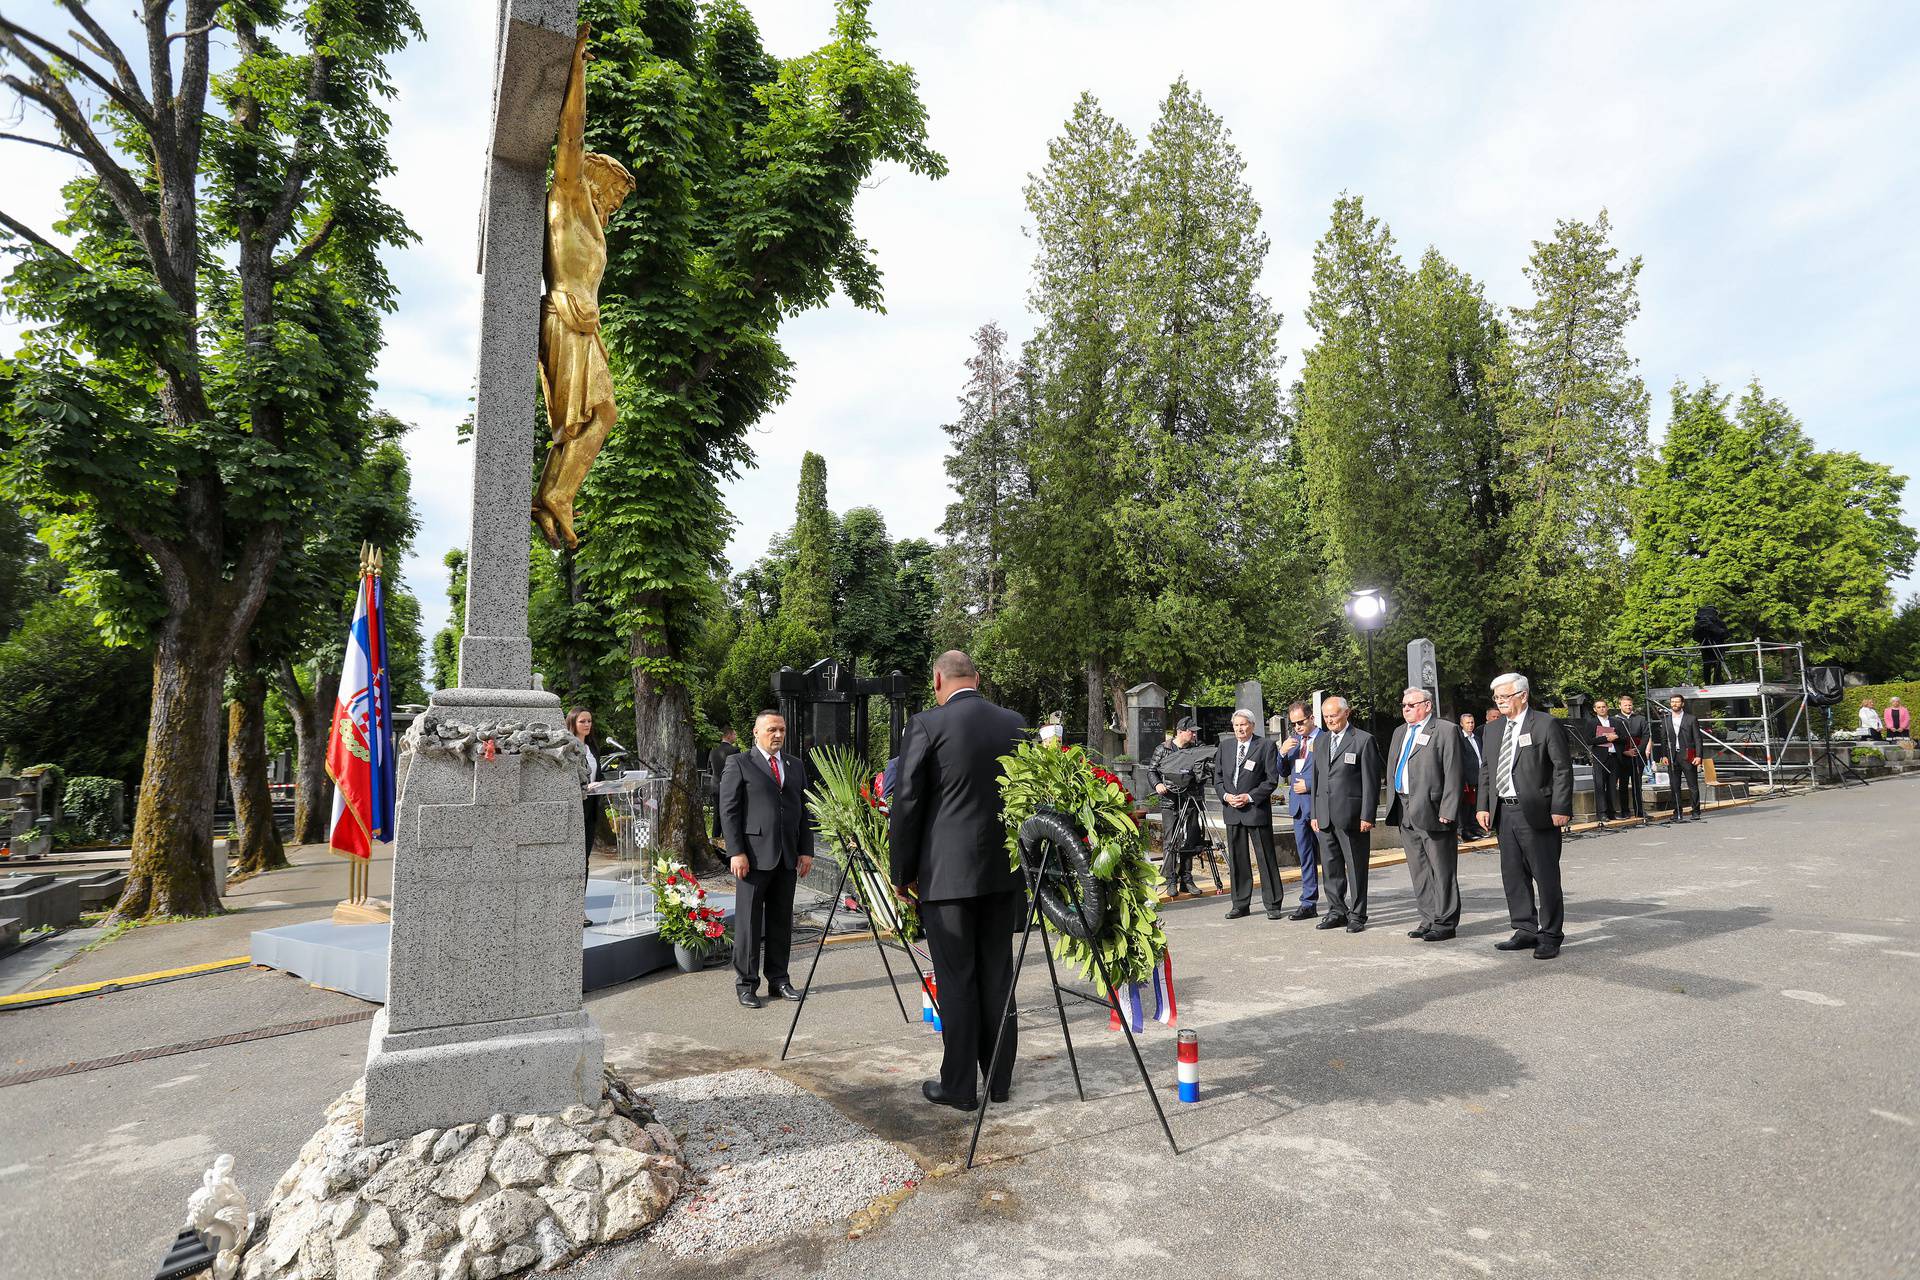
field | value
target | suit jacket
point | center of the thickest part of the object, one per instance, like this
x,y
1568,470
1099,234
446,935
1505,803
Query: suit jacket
x,y
1542,769
1257,778
1299,804
717,760
1436,773
1671,747
758,817
1637,730
1471,756
946,825
1346,787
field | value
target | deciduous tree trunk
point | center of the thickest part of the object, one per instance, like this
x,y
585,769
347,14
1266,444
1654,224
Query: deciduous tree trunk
x,y
173,851
312,717
257,844
1099,739
663,739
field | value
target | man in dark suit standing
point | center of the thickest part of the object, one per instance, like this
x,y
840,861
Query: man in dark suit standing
x,y
1471,758
948,839
717,768
1526,795
1679,734
1636,748
1244,776
1296,768
763,804
1423,790
1346,796
1609,735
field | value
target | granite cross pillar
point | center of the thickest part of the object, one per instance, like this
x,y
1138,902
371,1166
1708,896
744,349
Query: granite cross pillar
x,y
483,1007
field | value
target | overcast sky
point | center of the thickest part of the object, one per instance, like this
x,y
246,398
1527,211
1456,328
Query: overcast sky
x,y
1760,157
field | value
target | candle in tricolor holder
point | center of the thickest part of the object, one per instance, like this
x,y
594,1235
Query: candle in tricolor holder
x,y
1189,1069
929,992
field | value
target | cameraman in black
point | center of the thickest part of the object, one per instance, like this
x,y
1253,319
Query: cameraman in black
x,y
1182,825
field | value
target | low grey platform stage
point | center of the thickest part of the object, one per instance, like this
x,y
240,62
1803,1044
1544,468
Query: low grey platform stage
x,y
353,958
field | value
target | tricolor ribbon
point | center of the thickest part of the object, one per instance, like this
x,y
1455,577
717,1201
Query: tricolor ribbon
x,y
1164,1007
1133,1004
1130,1002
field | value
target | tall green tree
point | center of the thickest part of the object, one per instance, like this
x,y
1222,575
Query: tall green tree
x,y
1400,445
748,166
1573,422
203,350
807,589
1060,613
446,641
1740,511
985,464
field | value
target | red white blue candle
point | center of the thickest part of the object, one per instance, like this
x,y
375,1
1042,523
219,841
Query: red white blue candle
x,y
929,992
1189,1068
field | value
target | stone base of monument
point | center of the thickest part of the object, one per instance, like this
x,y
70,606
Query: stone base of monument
x,y
470,1202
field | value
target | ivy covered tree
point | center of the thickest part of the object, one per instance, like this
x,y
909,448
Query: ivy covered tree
x,y
749,166
807,589
445,659
1740,511
202,352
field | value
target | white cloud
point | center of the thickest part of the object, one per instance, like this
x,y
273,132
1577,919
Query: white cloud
x,y
1758,156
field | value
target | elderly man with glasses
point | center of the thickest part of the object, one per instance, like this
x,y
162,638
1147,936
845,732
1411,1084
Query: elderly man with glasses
x,y
1424,783
1526,795
1346,796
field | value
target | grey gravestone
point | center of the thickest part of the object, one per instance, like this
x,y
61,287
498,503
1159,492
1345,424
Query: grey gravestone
x,y
1146,728
483,1013
1250,695
1422,671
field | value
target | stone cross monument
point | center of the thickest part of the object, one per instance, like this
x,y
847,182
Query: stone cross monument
x,y
483,1007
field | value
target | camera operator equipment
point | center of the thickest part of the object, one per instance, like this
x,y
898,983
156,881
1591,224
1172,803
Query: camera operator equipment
x,y
1181,772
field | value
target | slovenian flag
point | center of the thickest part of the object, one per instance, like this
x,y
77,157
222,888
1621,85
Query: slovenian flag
x,y
360,754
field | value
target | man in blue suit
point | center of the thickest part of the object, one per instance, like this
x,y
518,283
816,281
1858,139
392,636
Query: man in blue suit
x,y
1296,766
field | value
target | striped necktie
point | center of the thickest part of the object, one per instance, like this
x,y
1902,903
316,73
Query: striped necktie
x,y
1509,745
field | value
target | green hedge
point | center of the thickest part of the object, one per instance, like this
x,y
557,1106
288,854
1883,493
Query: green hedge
x,y
1847,714
90,807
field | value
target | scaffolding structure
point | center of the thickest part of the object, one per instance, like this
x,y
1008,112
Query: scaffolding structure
x,y
1750,699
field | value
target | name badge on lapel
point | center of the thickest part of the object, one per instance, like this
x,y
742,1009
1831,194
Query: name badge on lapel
x,y
1526,740
1420,738
1351,757
1247,763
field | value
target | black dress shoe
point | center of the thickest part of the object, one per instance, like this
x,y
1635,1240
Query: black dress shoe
x,y
1546,950
1236,912
1421,932
1518,942
998,1095
1331,922
1437,935
1278,913
1304,913
748,1000
785,990
1356,926
932,1092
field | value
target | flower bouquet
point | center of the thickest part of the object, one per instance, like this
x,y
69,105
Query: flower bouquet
x,y
1108,882
694,928
847,805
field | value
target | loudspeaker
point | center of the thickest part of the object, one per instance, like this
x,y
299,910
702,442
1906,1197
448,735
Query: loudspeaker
x,y
1825,685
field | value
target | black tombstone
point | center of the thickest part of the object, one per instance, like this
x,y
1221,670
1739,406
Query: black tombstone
x,y
826,706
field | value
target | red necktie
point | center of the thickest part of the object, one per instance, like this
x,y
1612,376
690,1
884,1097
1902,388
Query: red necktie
x,y
775,762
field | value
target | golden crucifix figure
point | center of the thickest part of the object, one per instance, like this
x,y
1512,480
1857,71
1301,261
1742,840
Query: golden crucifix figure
x,y
587,188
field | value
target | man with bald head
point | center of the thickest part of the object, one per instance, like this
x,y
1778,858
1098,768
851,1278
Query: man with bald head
x,y
948,842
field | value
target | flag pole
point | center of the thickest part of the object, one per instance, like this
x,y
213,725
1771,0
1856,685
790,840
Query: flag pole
x,y
357,907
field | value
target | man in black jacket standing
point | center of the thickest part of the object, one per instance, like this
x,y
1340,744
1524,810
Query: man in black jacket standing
x,y
1678,733
763,804
1245,772
1346,796
1526,793
717,768
1635,748
948,841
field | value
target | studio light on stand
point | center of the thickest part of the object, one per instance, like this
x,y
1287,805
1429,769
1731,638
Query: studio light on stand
x,y
1367,611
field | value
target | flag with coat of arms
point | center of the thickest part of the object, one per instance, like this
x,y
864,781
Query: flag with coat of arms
x,y
360,750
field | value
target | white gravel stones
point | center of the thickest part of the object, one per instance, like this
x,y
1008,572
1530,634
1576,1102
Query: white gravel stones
x,y
769,1159
469,1202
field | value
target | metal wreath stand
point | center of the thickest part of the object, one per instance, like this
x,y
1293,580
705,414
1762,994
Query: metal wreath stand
x,y
1052,837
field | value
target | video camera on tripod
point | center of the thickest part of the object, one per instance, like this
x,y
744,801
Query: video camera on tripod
x,y
1187,772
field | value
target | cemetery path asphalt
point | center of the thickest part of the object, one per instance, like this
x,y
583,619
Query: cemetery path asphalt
x,y
1716,1078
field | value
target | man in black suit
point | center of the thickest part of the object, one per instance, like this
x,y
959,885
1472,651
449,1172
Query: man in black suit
x,y
1679,734
717,767
948,839
1635,749
1346,796
1526,794
1471,758
1423,789
1608,737
1245,774
763,804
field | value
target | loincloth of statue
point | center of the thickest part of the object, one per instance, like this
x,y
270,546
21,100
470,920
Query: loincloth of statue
x,y
574,374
